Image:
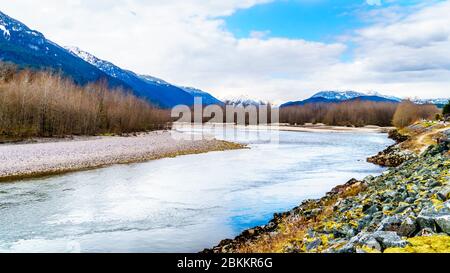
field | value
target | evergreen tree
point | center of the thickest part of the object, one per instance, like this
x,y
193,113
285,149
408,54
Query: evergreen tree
x,y
446,110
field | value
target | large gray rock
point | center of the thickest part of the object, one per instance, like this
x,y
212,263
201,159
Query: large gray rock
x,y
389,239
434,217
426,222
393,156
313,245
444,223
404,226
373,243
444,193
347,248
379,240
446,137
391,223
407,228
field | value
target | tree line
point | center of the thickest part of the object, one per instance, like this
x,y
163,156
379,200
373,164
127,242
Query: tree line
x,y
358,113
45,104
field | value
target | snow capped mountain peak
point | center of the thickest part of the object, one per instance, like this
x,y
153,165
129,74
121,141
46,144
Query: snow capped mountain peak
x,y
152,79
348,95
88,57
10,27
243,101
338,95
207,99
438,101
82,54
156,90
6,33
193,91
104,66
341,96
5,21
112,69
30,49
378,94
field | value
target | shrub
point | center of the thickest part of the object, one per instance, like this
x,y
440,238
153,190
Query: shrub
x,y
408,113
7,71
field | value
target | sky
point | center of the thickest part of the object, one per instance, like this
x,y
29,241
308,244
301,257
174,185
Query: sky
x,y
273,50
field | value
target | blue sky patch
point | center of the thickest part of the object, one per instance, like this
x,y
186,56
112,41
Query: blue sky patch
x,y
313,20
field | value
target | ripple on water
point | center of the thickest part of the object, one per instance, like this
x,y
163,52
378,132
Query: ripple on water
x,y
180,204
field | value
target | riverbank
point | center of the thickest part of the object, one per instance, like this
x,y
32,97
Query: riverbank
x,y
307,128
406,209
41,157
330,129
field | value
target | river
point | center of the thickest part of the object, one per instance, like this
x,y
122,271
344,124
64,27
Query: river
x,y
182,204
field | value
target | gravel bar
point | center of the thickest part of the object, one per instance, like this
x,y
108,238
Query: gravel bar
x,y
39,159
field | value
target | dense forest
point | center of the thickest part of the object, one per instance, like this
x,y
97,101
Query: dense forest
x,y
358,113
43,103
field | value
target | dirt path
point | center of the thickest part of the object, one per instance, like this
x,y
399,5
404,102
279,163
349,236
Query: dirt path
x,y
424,140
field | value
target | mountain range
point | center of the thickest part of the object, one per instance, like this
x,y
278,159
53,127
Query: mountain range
x,y
30,49
243,101
440,102
207,99
341,96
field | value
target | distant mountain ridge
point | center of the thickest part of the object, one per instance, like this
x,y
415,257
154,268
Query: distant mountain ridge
x,y
338,95
439,101
341,96
374,99
243,101
157,91
30,49
207,99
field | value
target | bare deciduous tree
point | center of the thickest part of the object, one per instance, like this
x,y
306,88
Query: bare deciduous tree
x,y
46,104
351,113
408,112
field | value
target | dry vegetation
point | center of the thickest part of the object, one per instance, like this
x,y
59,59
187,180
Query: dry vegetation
x,y
422,134
358,113
295,228
38,104
408,113
344,219
354,113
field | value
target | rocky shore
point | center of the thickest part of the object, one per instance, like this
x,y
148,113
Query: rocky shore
x,y
406,209
46,157
394,155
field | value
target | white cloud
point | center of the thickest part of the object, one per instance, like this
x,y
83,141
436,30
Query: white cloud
x,y
374,2
186,42
413,52
259,34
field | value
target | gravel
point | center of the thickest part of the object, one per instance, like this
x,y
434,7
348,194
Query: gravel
x,y
28,160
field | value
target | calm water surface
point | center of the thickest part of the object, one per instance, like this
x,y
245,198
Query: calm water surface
x,y
181,204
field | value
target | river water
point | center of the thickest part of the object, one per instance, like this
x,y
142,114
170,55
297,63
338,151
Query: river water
x,y
182,204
